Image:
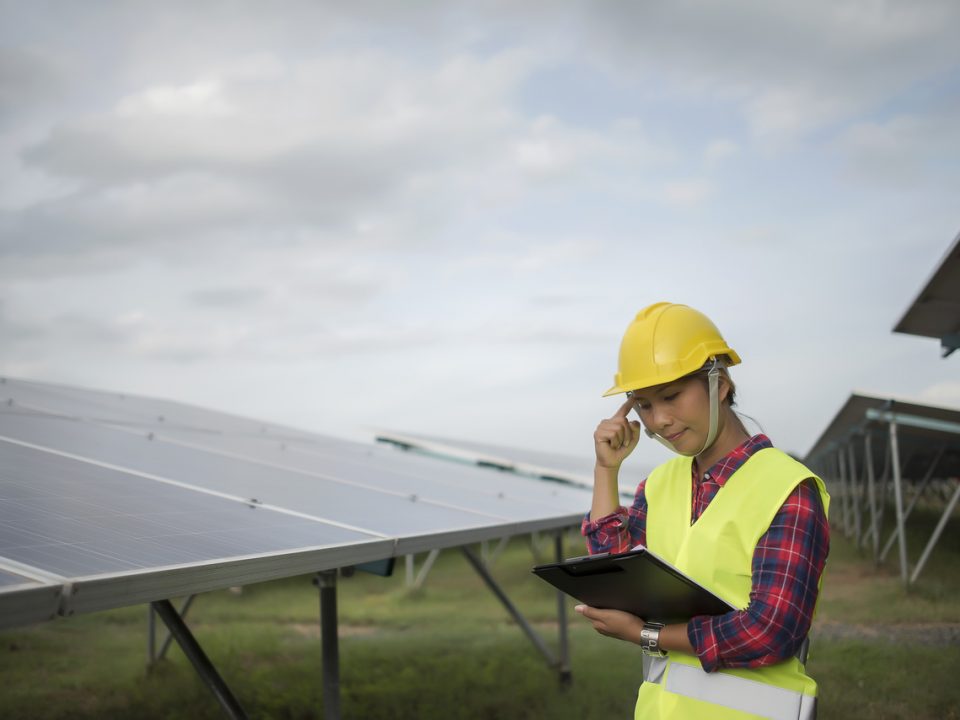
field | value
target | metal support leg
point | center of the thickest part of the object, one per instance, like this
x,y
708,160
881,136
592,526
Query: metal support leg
x,y
201,663
936,533
535,547
898,498
425,569
826,473
566,674
844,492
927,477
874,530
327,582
151,636
165,645
410,560
884,490
887,495
855,492
521,620
497,550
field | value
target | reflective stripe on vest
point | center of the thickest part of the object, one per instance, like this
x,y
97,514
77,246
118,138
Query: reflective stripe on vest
x,y
736,693
717,551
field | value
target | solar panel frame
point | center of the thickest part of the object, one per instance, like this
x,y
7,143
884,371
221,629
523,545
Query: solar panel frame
x,y
27,596
103,592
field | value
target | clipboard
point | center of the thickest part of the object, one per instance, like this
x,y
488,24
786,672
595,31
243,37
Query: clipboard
x,y
637,581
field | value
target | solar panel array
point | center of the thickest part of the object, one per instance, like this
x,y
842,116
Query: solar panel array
x,y
918,445
109,500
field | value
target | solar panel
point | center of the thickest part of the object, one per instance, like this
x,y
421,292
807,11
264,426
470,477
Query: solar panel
x,y
251,438
327,498
76,519
936,310
131,499
490,492
392,471
141,412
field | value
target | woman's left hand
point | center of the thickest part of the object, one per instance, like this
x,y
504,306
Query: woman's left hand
x,y
613,623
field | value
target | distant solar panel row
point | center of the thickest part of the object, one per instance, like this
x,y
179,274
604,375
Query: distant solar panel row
x,y
567,469
852,420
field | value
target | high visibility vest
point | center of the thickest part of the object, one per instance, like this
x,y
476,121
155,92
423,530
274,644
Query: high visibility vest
x,y
717,551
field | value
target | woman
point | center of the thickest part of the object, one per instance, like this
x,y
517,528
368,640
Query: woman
x,y
761,547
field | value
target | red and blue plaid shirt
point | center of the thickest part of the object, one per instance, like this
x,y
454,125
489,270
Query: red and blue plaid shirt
x,y
787,564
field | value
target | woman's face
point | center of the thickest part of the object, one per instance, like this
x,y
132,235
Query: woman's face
x,y
678,411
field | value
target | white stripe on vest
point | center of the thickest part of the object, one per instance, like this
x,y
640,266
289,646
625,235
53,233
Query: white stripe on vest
x,y
733,692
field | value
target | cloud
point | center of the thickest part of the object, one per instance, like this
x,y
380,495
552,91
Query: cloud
x,y
720,150
903,150
687,193
557,333
227,296
320,145
29,80
780,113
946,393
33,340
512,254
794,68
160,337
556,300
14,330
203,98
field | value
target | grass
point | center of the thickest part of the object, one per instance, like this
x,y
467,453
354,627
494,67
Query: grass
x,y
450,650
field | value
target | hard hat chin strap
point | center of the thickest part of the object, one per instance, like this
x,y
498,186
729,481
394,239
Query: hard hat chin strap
x,y
713,382
713,379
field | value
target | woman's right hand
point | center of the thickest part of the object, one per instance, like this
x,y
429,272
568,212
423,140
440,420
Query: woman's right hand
x,y
616,437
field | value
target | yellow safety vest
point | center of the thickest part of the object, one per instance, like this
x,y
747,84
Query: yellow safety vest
x,y
717,551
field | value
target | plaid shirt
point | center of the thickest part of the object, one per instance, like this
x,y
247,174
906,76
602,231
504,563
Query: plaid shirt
x,y
787,564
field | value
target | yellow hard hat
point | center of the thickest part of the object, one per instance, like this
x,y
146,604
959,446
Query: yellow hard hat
x,y
665,342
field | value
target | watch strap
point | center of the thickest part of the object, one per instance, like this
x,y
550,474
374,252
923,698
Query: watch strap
x,y
650,639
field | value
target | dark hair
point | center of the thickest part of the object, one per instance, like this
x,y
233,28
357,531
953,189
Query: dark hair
x,y
732,395
731,399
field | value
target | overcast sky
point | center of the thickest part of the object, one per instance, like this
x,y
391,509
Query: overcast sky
x,y
441,217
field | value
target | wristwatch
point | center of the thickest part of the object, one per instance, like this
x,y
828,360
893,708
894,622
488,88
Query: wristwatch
x,y
650,639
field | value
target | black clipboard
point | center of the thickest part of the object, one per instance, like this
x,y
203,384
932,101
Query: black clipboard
x,y
637,581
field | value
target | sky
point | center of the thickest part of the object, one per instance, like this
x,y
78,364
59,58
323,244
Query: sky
x,y
440,217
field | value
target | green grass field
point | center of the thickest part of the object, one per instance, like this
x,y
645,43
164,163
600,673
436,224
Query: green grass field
x,y
451,651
